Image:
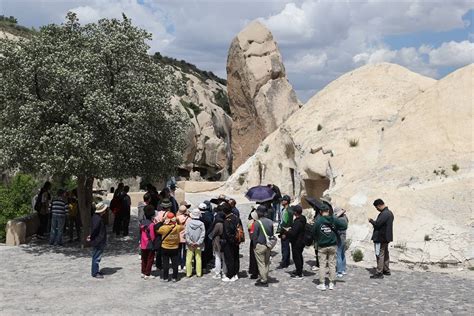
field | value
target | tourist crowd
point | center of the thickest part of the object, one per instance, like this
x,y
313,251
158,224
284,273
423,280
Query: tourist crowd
x,y
195,240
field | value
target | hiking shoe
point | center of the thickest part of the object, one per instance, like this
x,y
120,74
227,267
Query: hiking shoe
x,y
377,276
321,287
296,277
254,277
261,284
314,268
387,273
331,286
234,278
339,275
282,266
226,279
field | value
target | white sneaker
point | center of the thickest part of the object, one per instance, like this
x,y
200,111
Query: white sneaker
x,y
226,279
339,275
331,286
142,276
151,277
234,278
314,268
146,277
321,287
216,276
344,272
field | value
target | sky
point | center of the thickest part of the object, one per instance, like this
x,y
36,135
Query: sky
x,y
319,40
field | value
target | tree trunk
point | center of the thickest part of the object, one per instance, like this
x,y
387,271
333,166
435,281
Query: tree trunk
x,y
84,197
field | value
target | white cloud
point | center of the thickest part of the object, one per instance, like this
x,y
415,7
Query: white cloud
x,y
454,54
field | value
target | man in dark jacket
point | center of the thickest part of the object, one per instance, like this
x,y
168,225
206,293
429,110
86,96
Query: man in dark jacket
x,y
296,236
207,218
263,229
230,247
98,238
382,236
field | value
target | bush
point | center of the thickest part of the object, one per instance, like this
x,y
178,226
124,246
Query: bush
x,y
354,142
15,199
427,238
241,179
319,127
357,255
455,167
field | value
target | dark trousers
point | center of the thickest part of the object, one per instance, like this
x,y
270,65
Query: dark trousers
x,y
253,267
182,255
231,258
297,252
316,253
159,259
167,255
96,257
207,254
147,261
74,222
383,259
285,253
121,223
43,227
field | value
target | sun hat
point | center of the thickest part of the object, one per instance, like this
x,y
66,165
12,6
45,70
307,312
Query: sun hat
x,y
170,215
185,203
182,209
195,214
202,206
100,207
166,203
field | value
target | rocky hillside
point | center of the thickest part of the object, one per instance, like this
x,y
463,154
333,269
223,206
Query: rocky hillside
x,y
382,131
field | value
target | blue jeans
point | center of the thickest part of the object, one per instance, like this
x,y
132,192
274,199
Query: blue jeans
x,y
96,256
276,211
285,252
341,257
57,229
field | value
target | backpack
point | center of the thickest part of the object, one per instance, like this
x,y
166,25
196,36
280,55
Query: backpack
x,y
240,235
147,235
230,229
308,235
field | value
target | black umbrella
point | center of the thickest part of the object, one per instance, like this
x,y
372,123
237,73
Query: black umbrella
x,y
317,204
260,193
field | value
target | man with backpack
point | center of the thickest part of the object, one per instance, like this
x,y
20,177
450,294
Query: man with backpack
x,y
324,232
262,233
296,235
231,244
147,242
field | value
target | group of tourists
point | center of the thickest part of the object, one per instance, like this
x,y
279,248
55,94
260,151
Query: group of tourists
x,y
57,214
175,236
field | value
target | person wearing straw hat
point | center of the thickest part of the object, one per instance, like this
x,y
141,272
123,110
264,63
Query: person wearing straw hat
x,y
98,238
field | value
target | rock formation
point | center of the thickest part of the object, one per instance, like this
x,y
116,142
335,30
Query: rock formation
x,y
382,131
260,96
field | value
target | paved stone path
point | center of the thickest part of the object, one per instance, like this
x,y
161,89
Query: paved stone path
x,y
39,279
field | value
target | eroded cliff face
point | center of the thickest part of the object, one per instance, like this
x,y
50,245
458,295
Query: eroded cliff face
x,y
260,96
382,131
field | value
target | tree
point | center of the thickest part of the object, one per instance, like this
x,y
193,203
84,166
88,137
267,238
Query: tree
x,y
87,101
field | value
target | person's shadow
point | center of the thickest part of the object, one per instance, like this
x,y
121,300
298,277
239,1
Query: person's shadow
x,y
110,271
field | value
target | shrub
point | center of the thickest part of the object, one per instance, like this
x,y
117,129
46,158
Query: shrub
x,y
455,167
265,149
357,255
15,199
241,179
427,238
222,101
471,268
354,142
319,127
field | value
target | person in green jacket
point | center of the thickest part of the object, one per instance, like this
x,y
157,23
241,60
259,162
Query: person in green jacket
x,y
324,232
285,224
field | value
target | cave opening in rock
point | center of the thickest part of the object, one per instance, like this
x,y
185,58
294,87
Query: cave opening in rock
x,y
314,188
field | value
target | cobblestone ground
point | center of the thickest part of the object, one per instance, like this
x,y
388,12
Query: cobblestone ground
x,y
39,279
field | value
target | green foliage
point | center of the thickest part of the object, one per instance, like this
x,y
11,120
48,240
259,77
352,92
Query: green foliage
x,y
88,101
353,142
15,199
241,179
319,127
187,68
222,101
471,268
266,148
427,238
191,107
455,167
9,24
440,172
357,255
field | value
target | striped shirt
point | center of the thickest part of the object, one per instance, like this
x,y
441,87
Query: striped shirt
x,y
58,207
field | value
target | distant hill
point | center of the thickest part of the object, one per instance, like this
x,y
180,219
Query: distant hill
x,y
9,24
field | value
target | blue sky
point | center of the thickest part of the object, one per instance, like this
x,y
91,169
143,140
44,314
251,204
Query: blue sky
x,y
319,40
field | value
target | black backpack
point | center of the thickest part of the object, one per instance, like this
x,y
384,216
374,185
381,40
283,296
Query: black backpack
x,y
308,235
